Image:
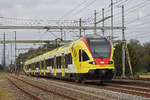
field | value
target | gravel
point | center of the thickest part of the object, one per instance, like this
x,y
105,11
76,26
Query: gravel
x,y
77,91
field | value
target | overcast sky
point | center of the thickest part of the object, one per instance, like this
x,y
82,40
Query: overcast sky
x,y
40,11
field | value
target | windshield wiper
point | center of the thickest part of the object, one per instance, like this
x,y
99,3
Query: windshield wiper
x,y
101,57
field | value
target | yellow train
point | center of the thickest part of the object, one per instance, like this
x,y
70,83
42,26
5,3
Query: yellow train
x,y
87,59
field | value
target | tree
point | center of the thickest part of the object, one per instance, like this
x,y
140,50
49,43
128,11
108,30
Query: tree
x,y
1,67
137,45
118,59
135,60
145,59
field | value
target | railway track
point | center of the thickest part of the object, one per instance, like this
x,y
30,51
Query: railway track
x,y
22,89
65,92
36,92
143,92
138,83
124,90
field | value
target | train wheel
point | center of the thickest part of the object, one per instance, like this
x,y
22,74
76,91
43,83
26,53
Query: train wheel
x,y
101,82
83,81
77,80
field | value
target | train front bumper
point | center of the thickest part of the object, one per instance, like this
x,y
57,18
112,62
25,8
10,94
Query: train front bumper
x,y
98,74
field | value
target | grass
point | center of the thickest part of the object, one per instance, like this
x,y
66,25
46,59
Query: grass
x,y
5,94
1,72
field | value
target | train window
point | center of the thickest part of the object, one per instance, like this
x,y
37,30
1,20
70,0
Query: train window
x,y
80,55
58,60
38,64
66,62
29,66
48,62
62,61
69,58
42,64
52,62
32,66
85,56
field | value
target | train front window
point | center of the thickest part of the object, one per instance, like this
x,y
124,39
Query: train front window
x,y
100,48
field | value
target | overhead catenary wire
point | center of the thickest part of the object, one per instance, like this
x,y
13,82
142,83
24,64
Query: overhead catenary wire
x,y
141,35
134,8
72,10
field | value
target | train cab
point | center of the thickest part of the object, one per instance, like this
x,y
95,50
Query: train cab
x,y
95,58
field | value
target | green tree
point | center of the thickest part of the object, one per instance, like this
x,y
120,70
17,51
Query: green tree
x,y
118,59
1,67
145,59
137,45
135,60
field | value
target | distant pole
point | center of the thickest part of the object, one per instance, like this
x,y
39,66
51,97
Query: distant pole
x,y
128,58
95,22
123,35
103,21
80,28
84,32
64,35
4,54
61,34
15,53
11,52
112,33
125,47
123,44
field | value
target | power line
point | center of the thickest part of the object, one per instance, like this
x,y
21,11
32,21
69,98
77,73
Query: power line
x,y
80,10
134,33
134,8
73,9
130,22
143,36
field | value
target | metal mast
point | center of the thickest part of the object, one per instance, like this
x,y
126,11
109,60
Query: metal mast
x,y
112,33
4,54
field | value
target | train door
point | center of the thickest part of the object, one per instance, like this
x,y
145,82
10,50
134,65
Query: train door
x,y
55,66
80,58
63,65
40,67
44,64
34,69
83,58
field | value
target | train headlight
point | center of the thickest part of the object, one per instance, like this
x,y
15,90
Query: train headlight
x,y
92,62
110,62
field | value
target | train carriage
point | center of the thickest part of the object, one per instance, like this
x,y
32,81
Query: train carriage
x,y
89,58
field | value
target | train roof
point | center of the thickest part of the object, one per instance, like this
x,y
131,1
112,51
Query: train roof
x,y
93,36
60,49
47,54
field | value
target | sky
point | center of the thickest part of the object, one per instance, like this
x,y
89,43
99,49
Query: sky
x,y
45,12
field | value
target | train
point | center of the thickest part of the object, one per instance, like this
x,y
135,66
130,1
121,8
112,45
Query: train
x,y
89,58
